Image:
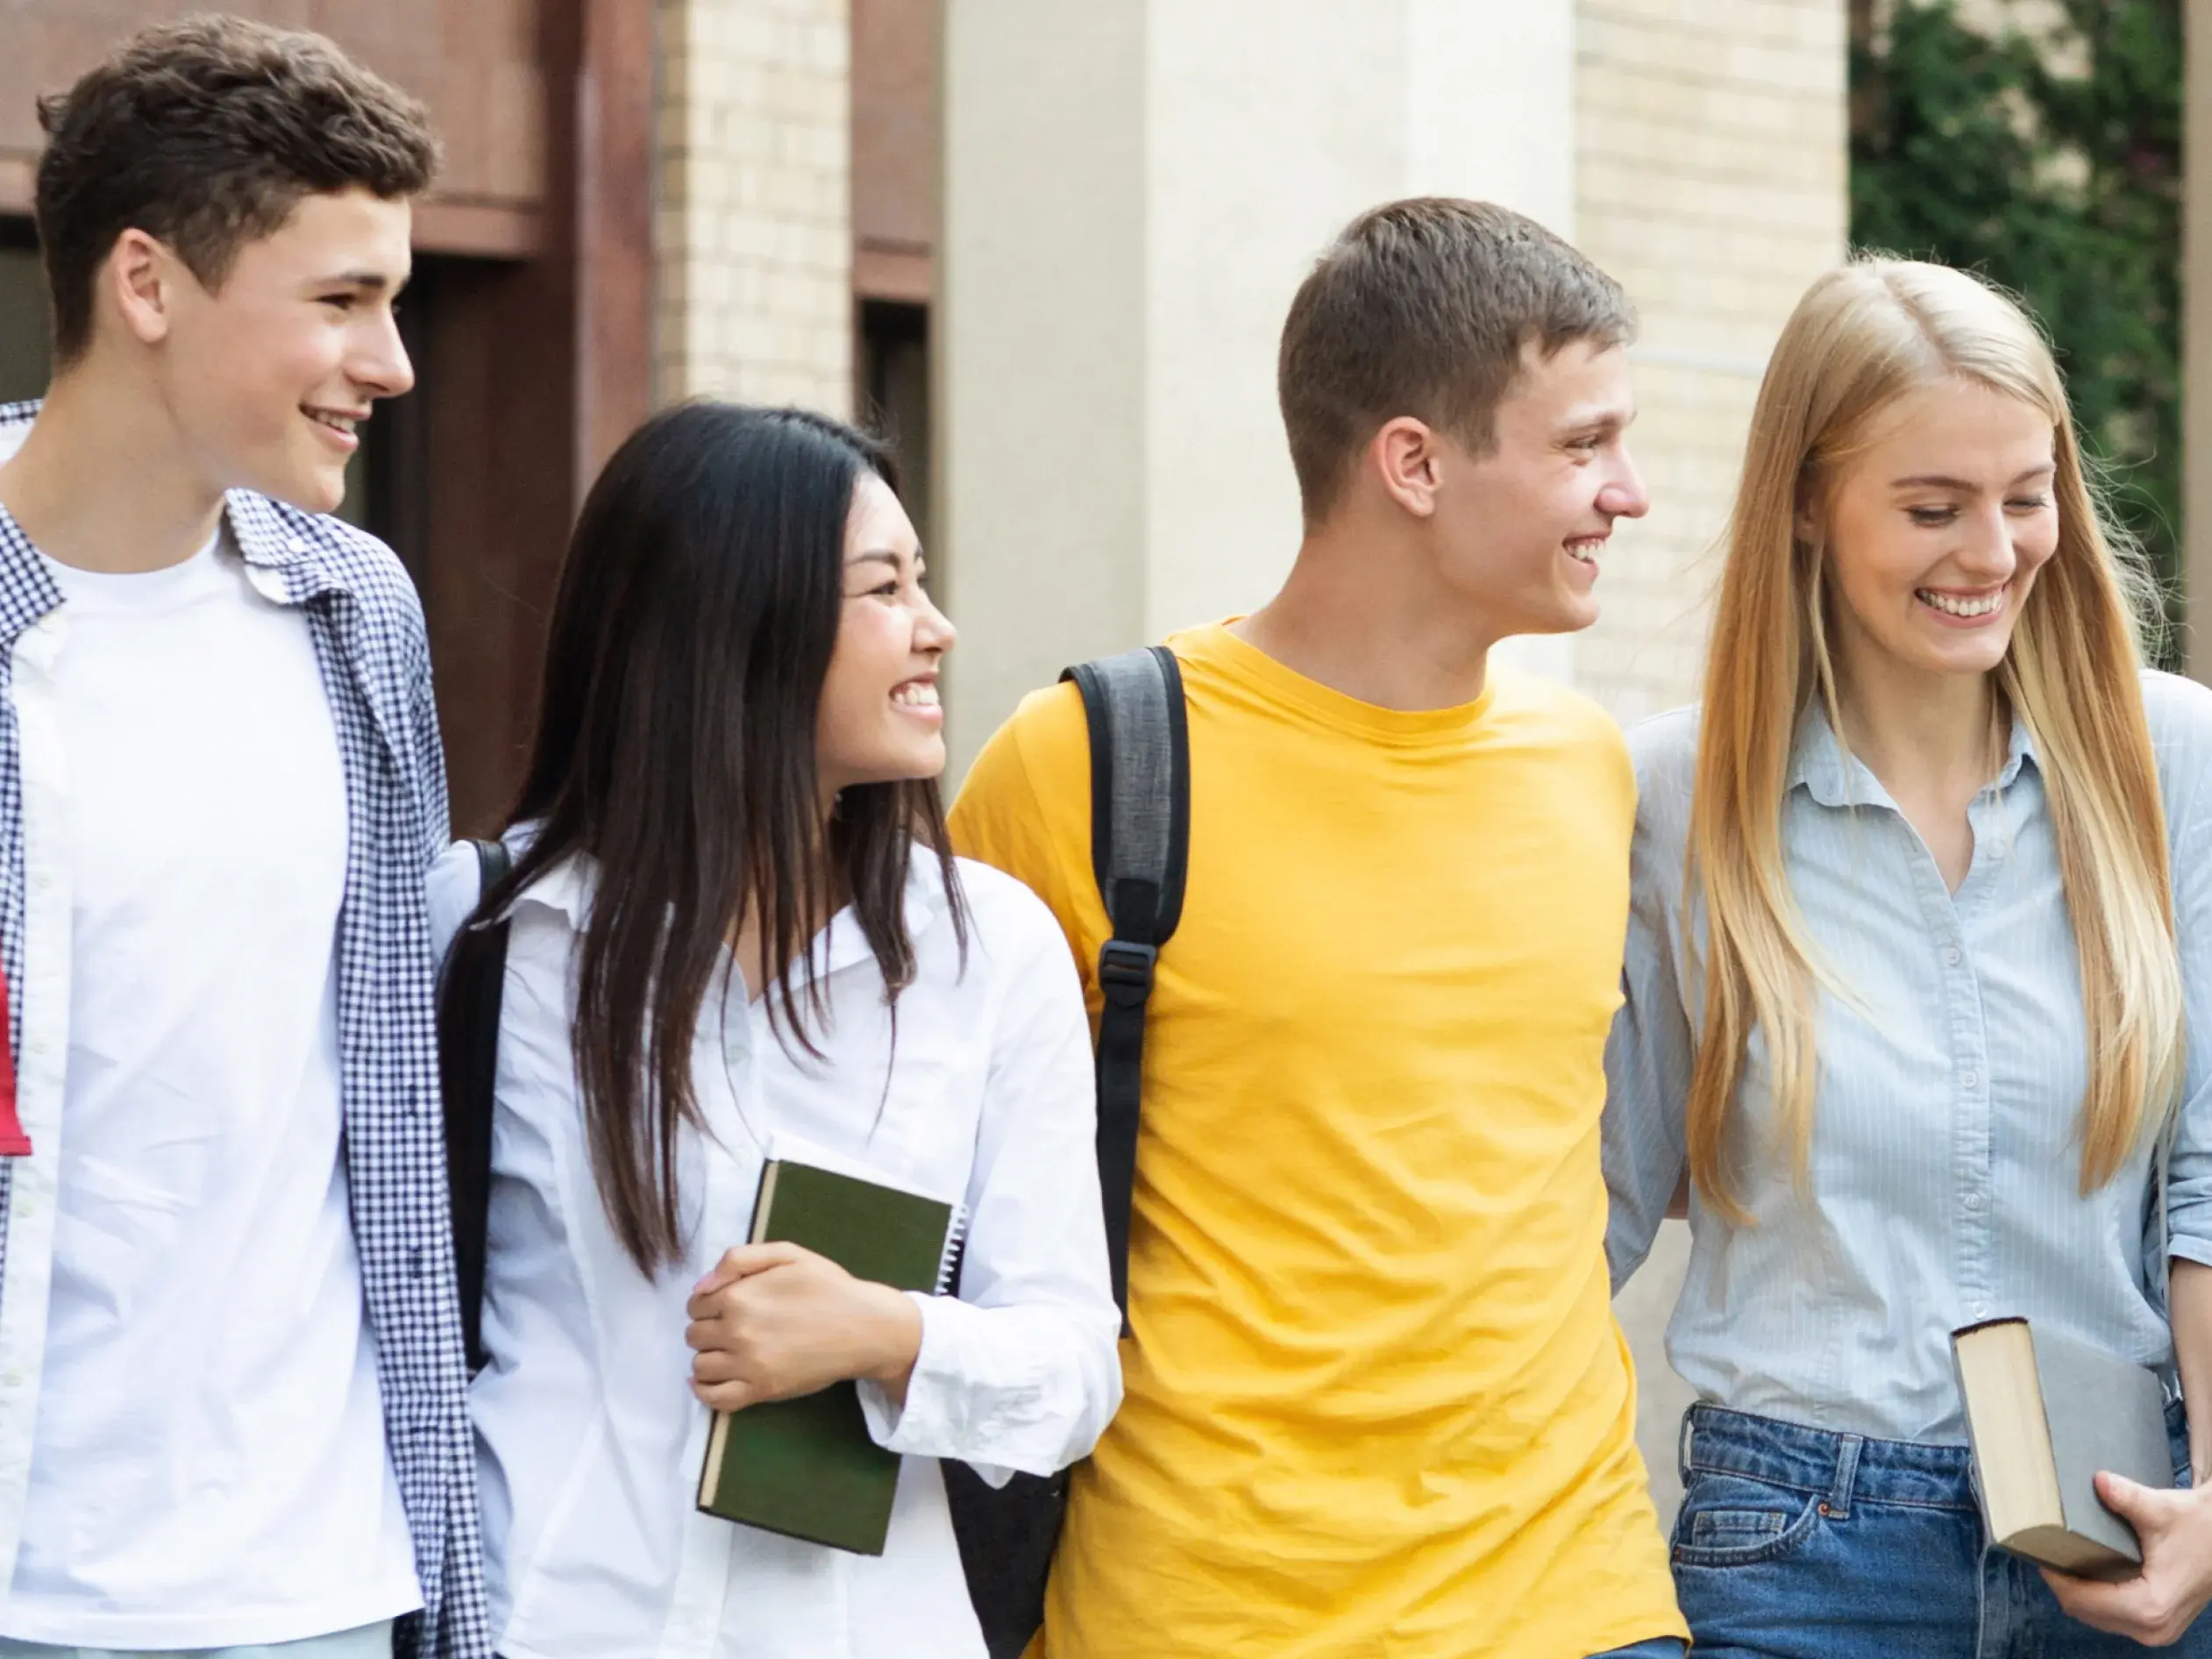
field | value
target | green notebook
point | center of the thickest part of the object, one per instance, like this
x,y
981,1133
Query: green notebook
x,y
807,1467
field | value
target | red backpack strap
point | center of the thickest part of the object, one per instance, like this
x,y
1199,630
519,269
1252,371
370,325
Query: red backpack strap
x,y
13,1141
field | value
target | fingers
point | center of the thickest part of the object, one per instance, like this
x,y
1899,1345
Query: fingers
x,y
2136,1608
738,1263
726,1396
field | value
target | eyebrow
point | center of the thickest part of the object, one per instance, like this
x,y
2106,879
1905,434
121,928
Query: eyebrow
x,y
1967,486
877,556
1596,419
370,282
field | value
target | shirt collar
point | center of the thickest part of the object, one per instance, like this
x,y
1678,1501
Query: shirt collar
x,y
1819,765
569,886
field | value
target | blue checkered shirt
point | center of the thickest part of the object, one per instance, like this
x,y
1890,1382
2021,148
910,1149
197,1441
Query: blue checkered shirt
x,y
366,625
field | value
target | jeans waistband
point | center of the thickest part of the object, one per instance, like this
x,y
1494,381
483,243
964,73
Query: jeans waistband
x,y
1837,1468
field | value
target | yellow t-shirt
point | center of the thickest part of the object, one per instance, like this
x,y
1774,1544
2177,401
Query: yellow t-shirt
x,y
1377,1404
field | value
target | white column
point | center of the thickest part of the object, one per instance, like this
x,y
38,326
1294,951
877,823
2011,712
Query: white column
x,y
1132,192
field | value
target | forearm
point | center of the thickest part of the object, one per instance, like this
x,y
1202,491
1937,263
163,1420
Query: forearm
x,y
1007,1388
2190,1302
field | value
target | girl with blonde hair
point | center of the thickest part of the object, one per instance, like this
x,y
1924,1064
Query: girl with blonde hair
x,y
1918,999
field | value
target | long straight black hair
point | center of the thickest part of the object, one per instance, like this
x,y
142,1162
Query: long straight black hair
x,y
698,609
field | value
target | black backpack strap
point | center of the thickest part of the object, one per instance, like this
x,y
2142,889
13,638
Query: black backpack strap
x,y
1139,849
469,994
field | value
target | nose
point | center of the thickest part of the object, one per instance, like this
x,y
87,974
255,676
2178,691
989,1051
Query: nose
x,y
1987,552
933,629
379,364
1623,496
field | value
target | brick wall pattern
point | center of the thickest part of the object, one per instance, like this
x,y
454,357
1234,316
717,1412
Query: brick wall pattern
x,y
753,224
1710,180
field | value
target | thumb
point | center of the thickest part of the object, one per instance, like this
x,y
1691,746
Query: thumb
x,y
2135,1503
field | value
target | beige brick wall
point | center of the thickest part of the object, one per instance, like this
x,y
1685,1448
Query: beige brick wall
x,y
753,221
1710,180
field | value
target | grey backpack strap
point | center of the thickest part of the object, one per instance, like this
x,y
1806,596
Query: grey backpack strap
x,y
1139,846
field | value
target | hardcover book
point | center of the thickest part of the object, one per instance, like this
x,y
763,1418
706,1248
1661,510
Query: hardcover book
x,y
808,1467
2045,1414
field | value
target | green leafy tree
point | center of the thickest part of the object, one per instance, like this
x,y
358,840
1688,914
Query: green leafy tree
x,y
2052,164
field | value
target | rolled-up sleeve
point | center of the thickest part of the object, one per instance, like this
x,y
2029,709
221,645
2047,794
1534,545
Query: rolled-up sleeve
x,y
1647,1055
1022,1372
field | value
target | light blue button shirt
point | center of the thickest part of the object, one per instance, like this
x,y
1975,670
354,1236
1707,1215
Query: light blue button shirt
x,y
1946,1168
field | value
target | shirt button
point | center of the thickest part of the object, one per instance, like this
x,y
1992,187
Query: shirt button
x,y
1952,956
1973,1201
1969,1079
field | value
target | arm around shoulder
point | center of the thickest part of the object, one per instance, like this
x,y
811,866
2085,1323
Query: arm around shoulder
x,y
1649,1053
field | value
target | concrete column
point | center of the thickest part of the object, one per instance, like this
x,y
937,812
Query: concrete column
x,y
1132,193
753,222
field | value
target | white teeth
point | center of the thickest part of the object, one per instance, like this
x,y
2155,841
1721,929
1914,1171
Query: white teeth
x,y
1586,552
1953,607
915,696
336,422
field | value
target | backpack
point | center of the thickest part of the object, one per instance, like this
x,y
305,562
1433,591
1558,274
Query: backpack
x,y
1139,847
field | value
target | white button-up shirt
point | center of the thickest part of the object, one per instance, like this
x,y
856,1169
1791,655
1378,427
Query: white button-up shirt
x,y
589,1440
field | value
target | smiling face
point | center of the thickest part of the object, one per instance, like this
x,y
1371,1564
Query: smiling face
x,y
1521,528
268,374
880,720
1936,531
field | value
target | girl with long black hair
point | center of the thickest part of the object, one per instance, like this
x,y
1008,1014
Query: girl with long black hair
x,y
736,924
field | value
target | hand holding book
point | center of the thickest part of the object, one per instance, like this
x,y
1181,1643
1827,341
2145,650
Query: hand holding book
x,y
787,1325
2161,1602
776,1320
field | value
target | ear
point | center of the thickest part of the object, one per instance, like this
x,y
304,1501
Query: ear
x,y
1804,522
1405,455
140,278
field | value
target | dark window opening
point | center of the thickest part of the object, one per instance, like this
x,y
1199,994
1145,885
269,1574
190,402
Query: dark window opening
x,y
893,372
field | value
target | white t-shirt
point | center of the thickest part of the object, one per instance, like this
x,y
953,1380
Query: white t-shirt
x,y
208,1465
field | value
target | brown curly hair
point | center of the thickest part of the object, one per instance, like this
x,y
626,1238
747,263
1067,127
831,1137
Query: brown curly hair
x,y
206,134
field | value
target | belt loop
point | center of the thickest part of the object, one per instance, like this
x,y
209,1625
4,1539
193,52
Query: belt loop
x,y
1682,1446
1839,1505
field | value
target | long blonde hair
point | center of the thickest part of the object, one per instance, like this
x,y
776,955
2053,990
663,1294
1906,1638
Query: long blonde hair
x,y
1862,338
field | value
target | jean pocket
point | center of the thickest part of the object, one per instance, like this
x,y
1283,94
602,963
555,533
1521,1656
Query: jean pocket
x,y
1733,1520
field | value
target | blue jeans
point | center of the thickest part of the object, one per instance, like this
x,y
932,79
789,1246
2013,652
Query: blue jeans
x,y
1796,1543
1657,1647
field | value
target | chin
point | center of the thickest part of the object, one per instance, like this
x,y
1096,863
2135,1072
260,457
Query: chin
x,y
311,490
906,766
1566,619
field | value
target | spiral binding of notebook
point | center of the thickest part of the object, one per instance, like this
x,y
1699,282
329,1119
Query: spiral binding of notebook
x,y
956,1248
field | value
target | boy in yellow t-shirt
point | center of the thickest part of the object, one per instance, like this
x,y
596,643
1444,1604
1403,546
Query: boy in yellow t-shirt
x,y
1376,1403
